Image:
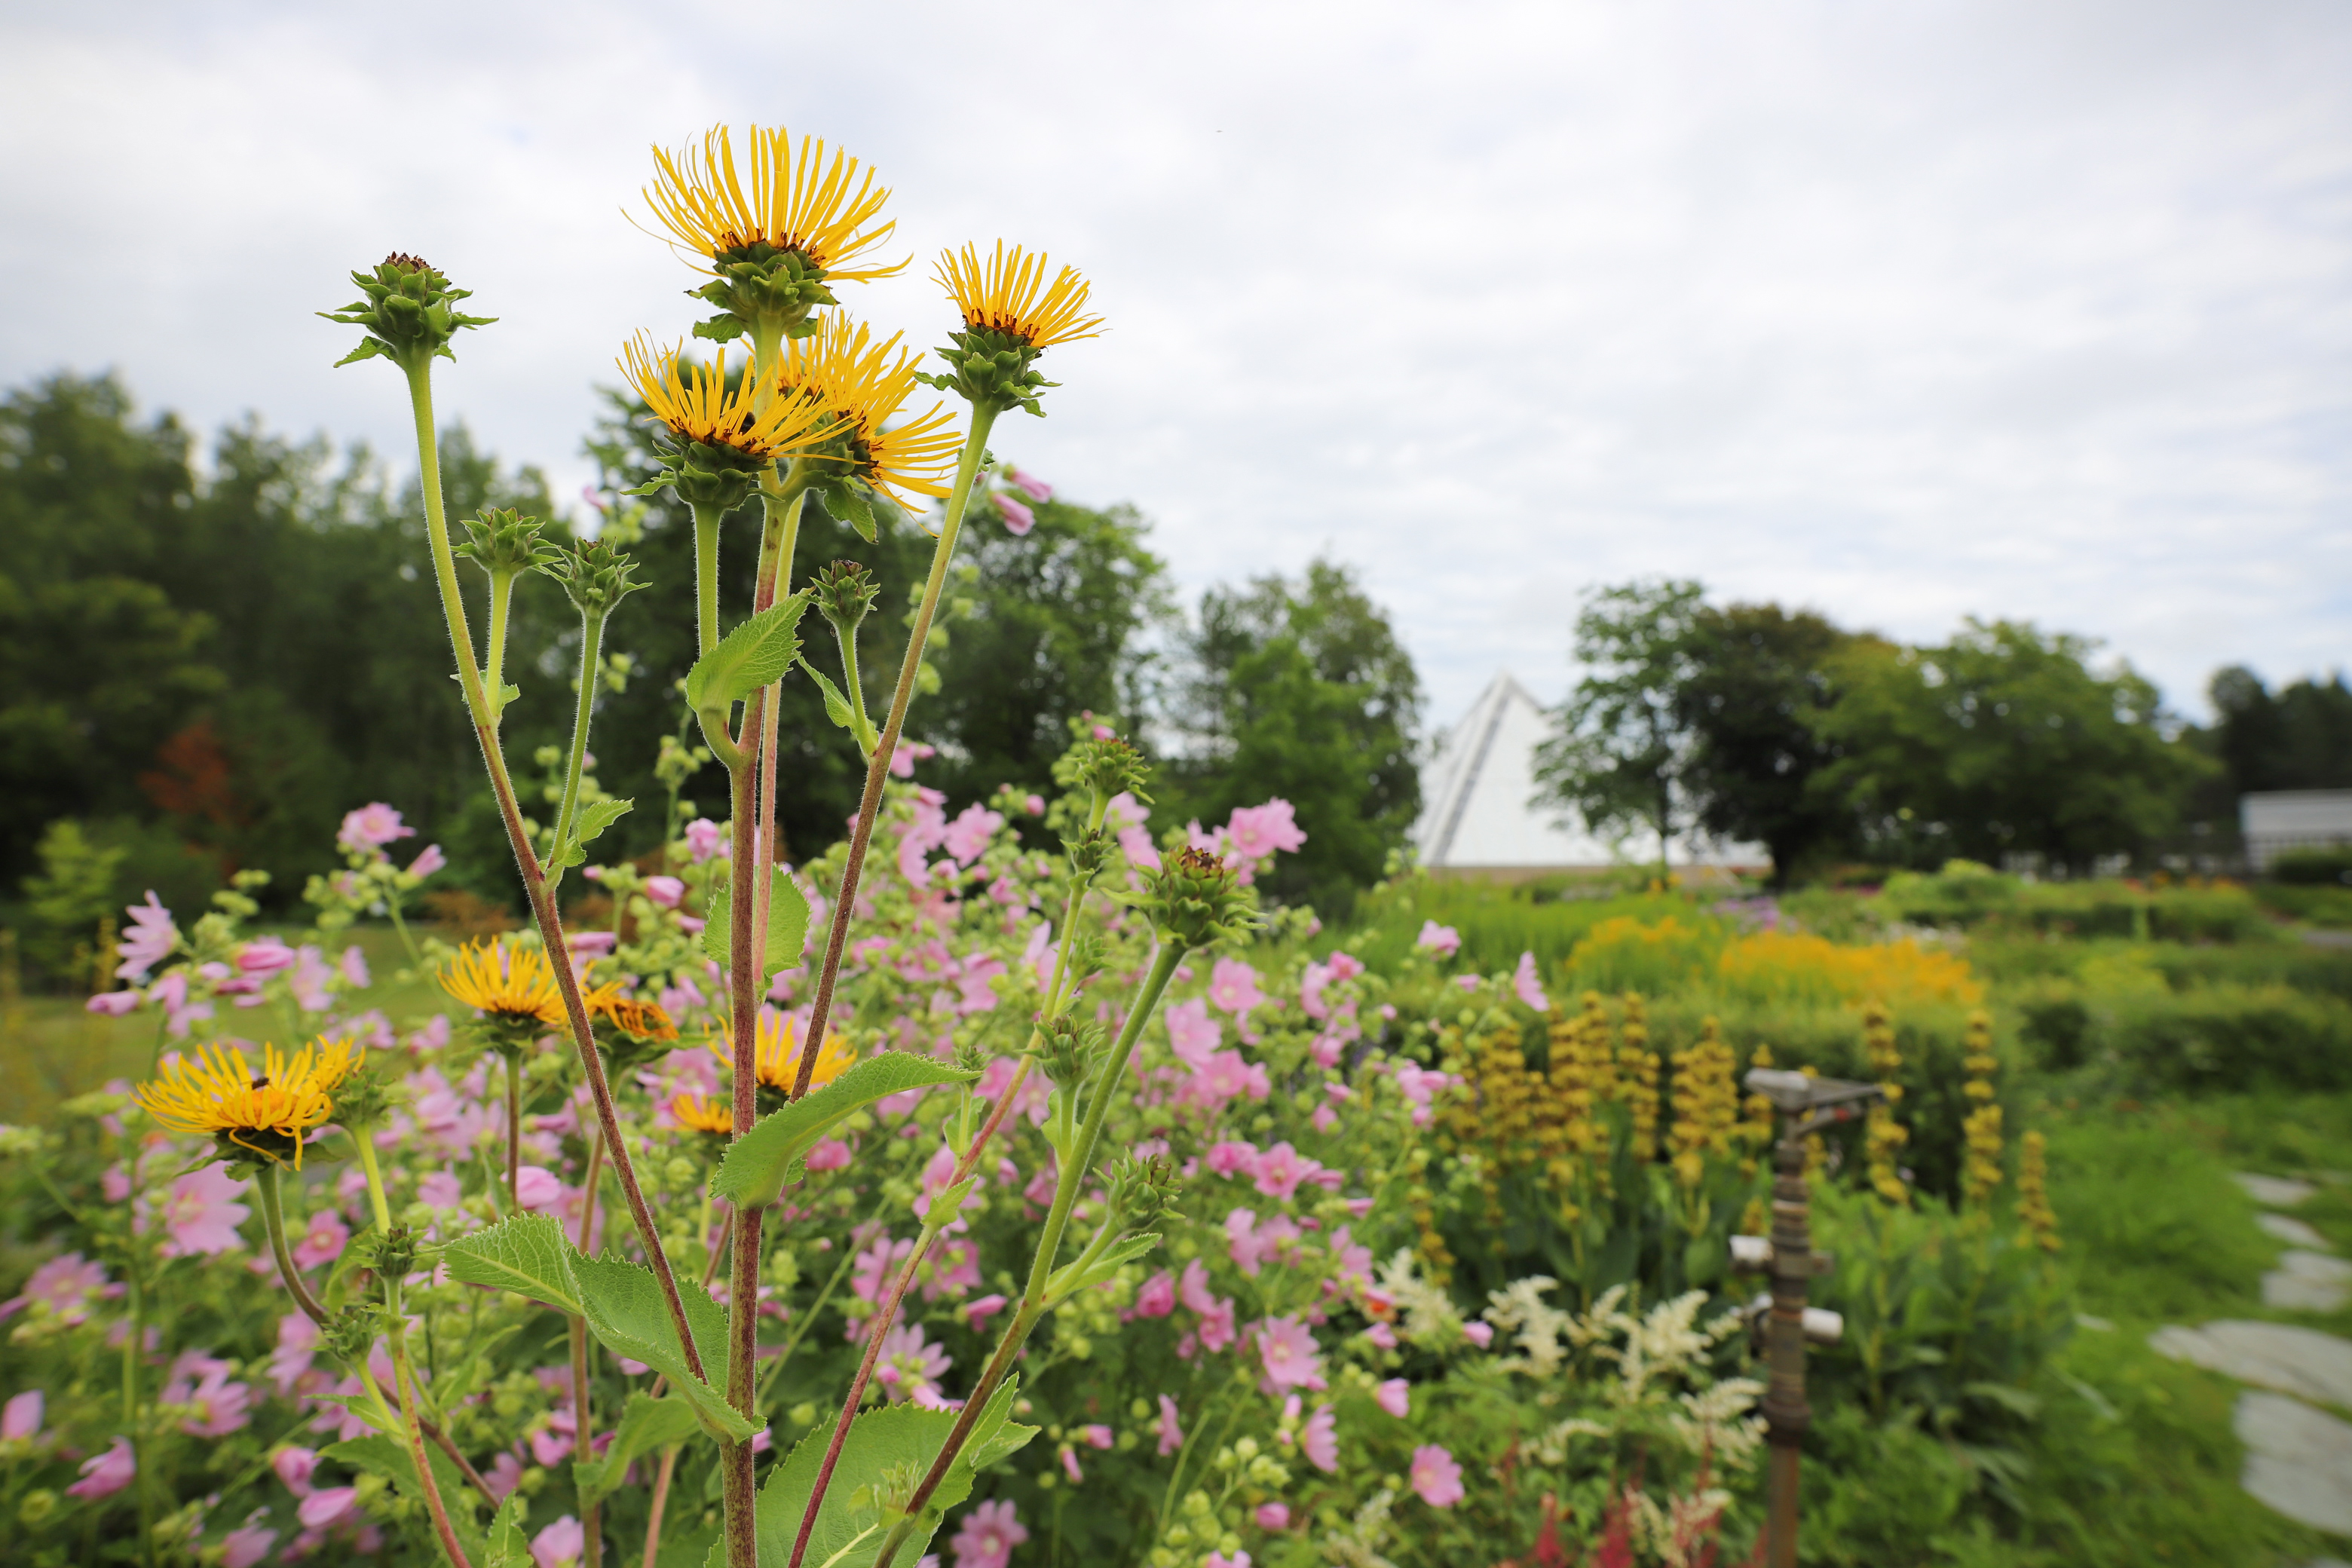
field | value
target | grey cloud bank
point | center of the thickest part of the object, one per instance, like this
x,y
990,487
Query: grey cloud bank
x,y
1904,312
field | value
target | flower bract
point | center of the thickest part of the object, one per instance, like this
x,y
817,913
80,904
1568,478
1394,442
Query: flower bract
x,y
1011,315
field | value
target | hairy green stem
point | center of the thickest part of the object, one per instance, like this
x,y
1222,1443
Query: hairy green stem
x,y
743,1289
592,641
705,578
584,1429
273,1219
1049,1242
541,898
501,602
408,1386
660,1501
877,768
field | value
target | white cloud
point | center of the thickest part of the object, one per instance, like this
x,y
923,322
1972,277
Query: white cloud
x,y
1903,312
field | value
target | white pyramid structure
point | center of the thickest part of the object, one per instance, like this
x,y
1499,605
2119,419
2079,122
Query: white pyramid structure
x,y
1479,814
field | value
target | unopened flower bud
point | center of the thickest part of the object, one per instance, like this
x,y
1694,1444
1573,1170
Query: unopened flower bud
x,y
506,542
409,313
1194,900
845,592
595,577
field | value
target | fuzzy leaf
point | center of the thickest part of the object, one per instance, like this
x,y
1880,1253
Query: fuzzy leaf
x,y
846,500
788,916
758,1165
388,1457
510,1542
593,819
837,709
754,654
624,1306
645,1426
1125,1250
528,1255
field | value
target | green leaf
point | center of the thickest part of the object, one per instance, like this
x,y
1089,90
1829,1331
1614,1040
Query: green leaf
x,y
758,1165
369,348
624,1306
837,709
510,1542
388,1457
646,1425
788,915
528,1255
751,655
593,819
885,1456
846,500
1125,1250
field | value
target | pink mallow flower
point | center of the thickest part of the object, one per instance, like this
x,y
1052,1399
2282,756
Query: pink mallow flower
x,y
1272,1516
67,1285
561,1545
1258,831
147,942
1321,1440
103,1475
428,860
1528,986
1018,519
20,1418
1219,1560
1443,941
323,1242
969,834
987,1535
1280,1170
1156,1299
1395,1396
1171,1435
1029,484
263,957
201,1215
1192,1033
1097,1436
909,1368
536,1187
705,839
1287,1348
665,892
245,1546
373,827
1233,987
1435,1476
113,1004
1479,1335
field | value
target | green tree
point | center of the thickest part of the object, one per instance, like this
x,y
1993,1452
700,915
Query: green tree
x,y
1624,740
1757,678
2003,740
2300,738
1299,690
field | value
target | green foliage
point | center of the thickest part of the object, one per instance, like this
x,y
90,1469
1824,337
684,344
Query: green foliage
x,y
646,1425
2298,738
2002,741
788,919
1300,691
755,653
1967,895
379,1454
1626,736
73,891
757,1165
2315,867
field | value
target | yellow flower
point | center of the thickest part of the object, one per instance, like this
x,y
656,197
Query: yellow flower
x,y
776,1057
698,403
796,201
1009,294
630,1014
860,386
698,1115
268,1112
513,984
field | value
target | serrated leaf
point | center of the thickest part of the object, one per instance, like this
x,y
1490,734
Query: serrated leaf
x,y
887,1453
1125,1250
758,1165
509,1542
754,654
788,915
645,1425
591,821
528,1255
847,501
723,328
624,1306
388,1457
837,709
369,348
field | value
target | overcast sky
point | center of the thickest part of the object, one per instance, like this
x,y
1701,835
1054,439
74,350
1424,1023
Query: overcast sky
x,y
1903,311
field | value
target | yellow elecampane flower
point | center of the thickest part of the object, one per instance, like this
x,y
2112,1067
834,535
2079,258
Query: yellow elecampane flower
x,y
776,1058
220,1096
697,1114
512,984
795,200
698,405
861,385
629,1014
1008,293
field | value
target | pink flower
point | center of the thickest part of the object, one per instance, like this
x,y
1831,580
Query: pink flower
x,y
1272,1516
1217,1325
1469,982
987,1535
244,1547
263,957
969,834
103,1475
1029,484
20,1418
983,1308
1192,1033
113,1004
871,1272
903,760
1280,1170
294,1466
664,891
1321,1440
1156,1299
1395,1396
1171,1435
1435,1476
705,839
1324,1119
910,1369
504,1475
1226,1076
1219,1560
218,1406
1443,941
326,1509
1252,1242
1018,519
1287,1348
149,940
67,1285
1097,1436
323,1242
560,1544
200,1212
1479,1335
1381,1335
536,1187
830,1154
1233,987
1229,1159
1258,831
373,827
428,860
354,966
1070,1466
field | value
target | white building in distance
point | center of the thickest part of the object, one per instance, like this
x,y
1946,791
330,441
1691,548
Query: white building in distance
x,y
2280,820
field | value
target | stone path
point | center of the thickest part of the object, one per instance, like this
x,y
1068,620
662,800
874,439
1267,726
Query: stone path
x,y
2298,1456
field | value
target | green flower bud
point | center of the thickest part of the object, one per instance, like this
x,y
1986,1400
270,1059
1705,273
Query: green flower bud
x,y
410,313
38,1505
1194,900
757,280
595,577
1109,767
705,474
845,592
506,541
1142,1190
1069,1050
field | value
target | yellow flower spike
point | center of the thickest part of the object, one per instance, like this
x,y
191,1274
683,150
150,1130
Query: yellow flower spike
x,y
1008,294
776,1058
269,1114
860,386
797,201
697,1114
512,984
